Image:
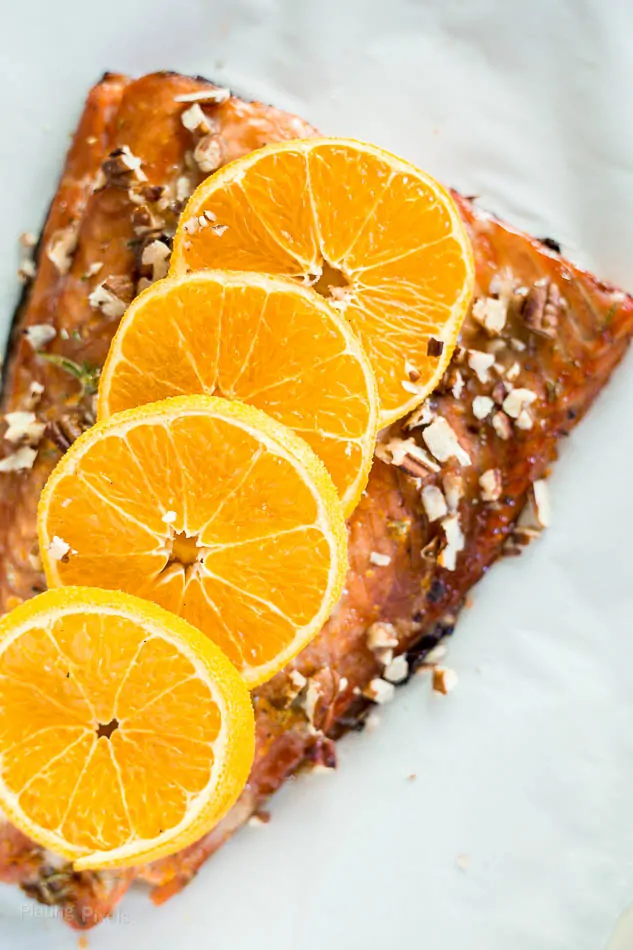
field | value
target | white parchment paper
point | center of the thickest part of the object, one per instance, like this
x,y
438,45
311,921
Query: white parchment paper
x,y
518,830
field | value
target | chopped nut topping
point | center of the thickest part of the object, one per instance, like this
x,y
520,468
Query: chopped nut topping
x,y
421,416
513,372
309,698
34,395
491,485
535,516
443,443
381,640
502,426
453,485
208,153
195,120
292,687
63,432
62,246
185,186
297,679
480,364
379,691
94,268
444,680
525,420
120,166
59,549
455,542
24,427
408,455
434,502
542,502
104,299
458,385
26,269
437,653
541,308
482,406
499,391
517,400
434,347
145,222
517,345
152,193
381,636
20,460
39,334
398,670
380,560
502,284
491,314
156,255
216,95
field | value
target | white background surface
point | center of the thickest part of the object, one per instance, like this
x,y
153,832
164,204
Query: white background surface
x,y
527,767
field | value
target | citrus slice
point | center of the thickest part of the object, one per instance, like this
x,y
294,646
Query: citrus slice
x,y
125,733
379,238
211,509
262,340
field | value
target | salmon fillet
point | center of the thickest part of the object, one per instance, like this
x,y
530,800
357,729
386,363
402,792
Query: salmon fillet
x,y
453,487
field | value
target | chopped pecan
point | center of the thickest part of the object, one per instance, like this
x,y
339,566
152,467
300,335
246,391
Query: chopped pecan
x,y
541,308
208,153
317,699
112,296
152,193
434,347
444,679
63,432
155,256
120,167
195,120
145,222
407,455
322,753
62,246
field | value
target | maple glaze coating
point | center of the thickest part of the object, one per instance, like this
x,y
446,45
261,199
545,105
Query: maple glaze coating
x,y
565,369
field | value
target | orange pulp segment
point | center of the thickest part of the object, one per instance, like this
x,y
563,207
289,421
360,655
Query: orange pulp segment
x,y
382,240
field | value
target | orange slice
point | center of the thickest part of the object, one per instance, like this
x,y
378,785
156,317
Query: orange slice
x,y
209,508
125,733
377,236
262,340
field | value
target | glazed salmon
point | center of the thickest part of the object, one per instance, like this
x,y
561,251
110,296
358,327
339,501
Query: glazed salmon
x,y
453,487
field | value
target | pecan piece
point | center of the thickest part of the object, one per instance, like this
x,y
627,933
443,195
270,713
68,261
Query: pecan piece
x,y
541,308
